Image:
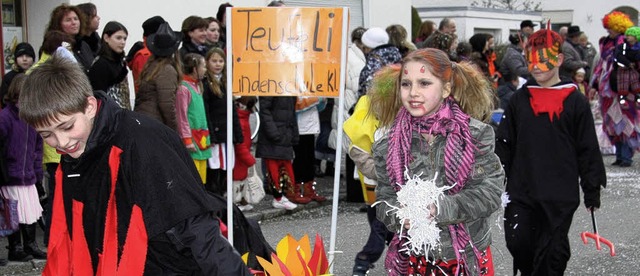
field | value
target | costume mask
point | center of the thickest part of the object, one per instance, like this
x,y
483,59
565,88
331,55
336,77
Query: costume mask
x,y
543,58
543,48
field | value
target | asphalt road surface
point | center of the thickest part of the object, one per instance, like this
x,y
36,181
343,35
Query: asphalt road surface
x,y
618,221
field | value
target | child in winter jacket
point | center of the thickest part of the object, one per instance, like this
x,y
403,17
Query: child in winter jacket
x,y
244,158
22,167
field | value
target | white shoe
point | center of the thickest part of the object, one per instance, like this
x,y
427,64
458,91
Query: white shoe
x,y
245,208
283,203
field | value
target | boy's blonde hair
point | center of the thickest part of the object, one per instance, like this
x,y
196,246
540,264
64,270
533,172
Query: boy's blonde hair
x,y
57,87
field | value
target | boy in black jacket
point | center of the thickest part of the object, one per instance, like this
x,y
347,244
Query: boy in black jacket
x,y
128,197
547,144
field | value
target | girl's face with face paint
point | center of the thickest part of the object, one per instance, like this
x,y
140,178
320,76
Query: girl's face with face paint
x,y
421,92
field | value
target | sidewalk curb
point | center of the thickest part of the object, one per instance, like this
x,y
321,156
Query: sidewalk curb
x,y
271,213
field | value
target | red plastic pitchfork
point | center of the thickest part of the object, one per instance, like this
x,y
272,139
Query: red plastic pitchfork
x,y
597,237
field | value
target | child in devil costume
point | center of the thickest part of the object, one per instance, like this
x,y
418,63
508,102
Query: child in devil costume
x,y
547,144
128,197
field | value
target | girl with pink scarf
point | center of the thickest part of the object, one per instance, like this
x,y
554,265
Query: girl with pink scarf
x,y
439,134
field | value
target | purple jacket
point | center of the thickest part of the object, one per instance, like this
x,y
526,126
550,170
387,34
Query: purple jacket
x,y
22,149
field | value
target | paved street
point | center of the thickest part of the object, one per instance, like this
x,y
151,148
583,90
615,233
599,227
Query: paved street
x,y
618,220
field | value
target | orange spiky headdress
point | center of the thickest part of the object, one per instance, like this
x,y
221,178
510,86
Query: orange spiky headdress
x,y
617,21
543,48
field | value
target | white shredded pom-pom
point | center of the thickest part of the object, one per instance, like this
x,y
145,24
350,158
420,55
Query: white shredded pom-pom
x,y
505,199
415,198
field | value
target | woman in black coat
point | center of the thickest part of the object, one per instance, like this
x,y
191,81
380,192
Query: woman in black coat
x,y
109,71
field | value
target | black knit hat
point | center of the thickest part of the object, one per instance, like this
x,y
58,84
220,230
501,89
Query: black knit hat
x,y
24,48
151,25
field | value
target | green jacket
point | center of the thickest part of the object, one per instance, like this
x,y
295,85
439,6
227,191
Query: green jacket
x,y
473,205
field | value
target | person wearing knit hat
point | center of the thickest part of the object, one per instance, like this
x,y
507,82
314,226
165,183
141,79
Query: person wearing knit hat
x,y
375,37
617,110
379,53
543,198
23,58
22,53
579,78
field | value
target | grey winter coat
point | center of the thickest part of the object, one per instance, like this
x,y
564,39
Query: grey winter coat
x,y
513,62
572,61
473,205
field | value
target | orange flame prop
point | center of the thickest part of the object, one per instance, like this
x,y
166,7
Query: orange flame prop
x,y
294,258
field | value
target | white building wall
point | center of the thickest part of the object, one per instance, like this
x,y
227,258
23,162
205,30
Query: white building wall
x,y
587,14
471,20
383,13
38,14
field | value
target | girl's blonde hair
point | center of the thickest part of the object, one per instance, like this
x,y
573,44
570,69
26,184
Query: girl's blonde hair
x,y
469,88
384,104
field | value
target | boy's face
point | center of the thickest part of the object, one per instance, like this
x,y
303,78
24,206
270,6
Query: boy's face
x,y
69,134
545,76
579,77
24,62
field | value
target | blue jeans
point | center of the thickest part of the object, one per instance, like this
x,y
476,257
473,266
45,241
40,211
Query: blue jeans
x,y
378,237
624,152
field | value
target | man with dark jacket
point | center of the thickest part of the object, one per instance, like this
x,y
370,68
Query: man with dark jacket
x,y
572,54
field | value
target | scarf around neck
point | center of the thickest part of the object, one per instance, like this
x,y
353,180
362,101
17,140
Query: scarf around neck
x,y
450,122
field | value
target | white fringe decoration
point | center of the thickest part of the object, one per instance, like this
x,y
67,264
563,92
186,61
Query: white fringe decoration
x,y
505,199
414,199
